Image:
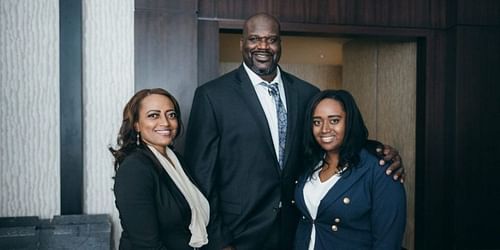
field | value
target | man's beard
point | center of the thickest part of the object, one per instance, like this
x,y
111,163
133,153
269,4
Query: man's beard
x,y
266,71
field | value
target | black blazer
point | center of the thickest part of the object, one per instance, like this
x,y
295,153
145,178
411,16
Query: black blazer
x,y
230,150
153,212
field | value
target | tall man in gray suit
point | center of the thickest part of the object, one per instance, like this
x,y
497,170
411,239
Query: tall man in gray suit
x,y
244,144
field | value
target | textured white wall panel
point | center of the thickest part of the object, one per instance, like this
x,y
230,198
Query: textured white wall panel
x,y
108,83
29,108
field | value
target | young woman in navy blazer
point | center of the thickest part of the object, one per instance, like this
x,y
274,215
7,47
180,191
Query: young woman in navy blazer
x,y
345,200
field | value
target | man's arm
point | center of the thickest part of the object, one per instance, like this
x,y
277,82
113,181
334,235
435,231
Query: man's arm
x,y
387,153
201,151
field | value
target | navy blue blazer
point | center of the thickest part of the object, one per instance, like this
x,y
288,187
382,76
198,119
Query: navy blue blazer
x,y
153,212
364,210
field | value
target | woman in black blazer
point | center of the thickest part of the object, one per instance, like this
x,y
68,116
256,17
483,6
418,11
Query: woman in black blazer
x,y
160,206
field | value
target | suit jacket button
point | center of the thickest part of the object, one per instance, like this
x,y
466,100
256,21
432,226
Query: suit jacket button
x,y
346,200
337,220
335,228
292,201
296,182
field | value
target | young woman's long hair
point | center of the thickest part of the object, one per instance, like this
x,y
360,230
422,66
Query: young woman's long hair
x,y
127,136
356,133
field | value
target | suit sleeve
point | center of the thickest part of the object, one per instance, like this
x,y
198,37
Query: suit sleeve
x,y
134,194
201,151
389,211
372,145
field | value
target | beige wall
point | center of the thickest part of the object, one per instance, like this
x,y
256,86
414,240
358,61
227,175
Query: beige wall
x,y
323,76
382,78
317,60
295,49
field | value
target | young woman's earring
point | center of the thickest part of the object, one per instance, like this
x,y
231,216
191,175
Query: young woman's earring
x,y
138,141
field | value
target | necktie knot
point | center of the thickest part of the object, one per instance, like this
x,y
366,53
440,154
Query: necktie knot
x,y
273,89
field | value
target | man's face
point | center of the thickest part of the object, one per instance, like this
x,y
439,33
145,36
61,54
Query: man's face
x,y
261,47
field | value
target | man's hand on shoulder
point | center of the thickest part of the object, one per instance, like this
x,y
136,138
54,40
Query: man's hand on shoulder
x,y
388,153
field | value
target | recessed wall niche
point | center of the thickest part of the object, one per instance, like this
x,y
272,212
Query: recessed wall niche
x,y
381,75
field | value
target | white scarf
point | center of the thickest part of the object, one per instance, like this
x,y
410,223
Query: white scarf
x,y
197,202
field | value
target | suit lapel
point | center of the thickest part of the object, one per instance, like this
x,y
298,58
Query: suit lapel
x,y
292,109
247,93
340,188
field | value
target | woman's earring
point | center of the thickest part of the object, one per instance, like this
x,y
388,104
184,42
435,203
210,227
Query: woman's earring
x,y
138,141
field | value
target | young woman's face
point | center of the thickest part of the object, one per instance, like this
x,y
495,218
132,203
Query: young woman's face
x,y
329,125
157,122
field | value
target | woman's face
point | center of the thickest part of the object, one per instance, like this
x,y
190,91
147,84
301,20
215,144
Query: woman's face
x,y
157,122
329,125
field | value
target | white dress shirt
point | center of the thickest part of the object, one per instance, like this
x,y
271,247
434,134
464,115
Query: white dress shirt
x,y
267,102
314,191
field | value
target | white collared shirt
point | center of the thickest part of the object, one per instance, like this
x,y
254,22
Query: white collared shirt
x,y
314,191
267,101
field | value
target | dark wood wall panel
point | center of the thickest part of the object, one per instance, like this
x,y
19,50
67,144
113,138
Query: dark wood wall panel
x,y
477,135
166,41
433,206
208,51
166,5
206,8
395,13
481,12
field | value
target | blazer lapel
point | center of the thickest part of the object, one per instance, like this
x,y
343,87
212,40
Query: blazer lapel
x,y
301,203
338,190
247,93
164,178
